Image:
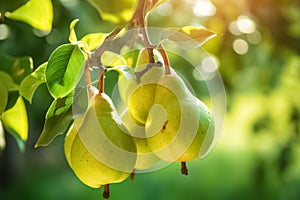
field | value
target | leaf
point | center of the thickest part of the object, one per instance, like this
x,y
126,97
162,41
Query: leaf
x,y
15,122
58,119
188,37
2,138
93,40
17,68
37,13
32,82
8,82
64,70
72,36
12,99
3,99
112,59
115,11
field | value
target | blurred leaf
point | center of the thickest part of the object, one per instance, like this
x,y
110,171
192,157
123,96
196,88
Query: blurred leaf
x,y
93,40
17,68
64,70
58,119
32,82
115,11
8,82
16,123
12,99
188,37
4,97
37,13
2,138
72,36
112,59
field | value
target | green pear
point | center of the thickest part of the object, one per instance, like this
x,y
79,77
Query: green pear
x,y
178,124
138,94
100,152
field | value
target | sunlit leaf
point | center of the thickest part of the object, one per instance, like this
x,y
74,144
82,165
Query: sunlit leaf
x,y
64,70
37,13
32,82
58,119
188,37
3,99
115,11
8,82
112,59
72,36
93,40
16,123
2,138
17,68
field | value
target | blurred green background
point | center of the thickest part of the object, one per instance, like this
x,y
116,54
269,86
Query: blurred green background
x,y
258,153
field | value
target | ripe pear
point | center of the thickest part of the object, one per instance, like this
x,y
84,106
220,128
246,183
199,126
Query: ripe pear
x,y
178,122
146,159
138,94
101,151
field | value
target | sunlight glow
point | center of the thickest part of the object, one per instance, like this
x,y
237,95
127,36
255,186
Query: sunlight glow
x,y
204,8
240,46
245,24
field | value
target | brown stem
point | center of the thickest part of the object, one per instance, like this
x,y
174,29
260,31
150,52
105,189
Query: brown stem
x,y
184,169
101,80
139,21
166,60
132,175
106,191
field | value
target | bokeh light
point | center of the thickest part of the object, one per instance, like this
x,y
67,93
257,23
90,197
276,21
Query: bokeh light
x,y
4,31
240,46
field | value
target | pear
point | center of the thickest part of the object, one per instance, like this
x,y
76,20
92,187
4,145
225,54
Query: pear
x,y
178,123
146,159
138,94
99,150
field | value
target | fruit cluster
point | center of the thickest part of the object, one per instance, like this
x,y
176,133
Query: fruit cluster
x,y
163,122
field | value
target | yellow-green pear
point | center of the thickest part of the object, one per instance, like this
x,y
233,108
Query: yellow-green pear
x,y
146,159
101,152
178,123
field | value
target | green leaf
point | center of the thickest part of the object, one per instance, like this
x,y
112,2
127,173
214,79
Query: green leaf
x,y
12,99
64,70
15,122
4,97
115,11
17,68
32,82
37,13
58,119
93,40
112,59
2,138
8,82
188,37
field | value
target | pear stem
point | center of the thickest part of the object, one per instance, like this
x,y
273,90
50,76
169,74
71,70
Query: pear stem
x,y
101,80
132,175
184,169
166,60
106,191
